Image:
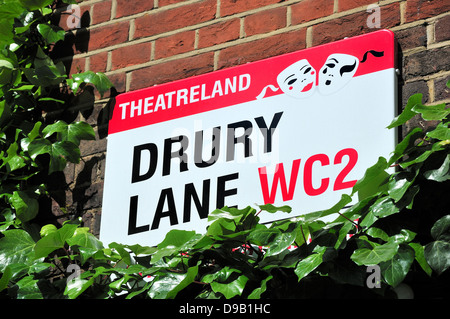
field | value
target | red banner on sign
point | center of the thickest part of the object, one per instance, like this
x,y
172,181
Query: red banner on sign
x,y
319,70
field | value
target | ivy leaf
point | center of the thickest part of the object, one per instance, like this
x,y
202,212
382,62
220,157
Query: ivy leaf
x,y
164,284
408,112
273,209
85,240
231,289
32,5
307,265
28,288
432,112
26,206
74,132
16,247
282,241
441,132
187,280
175,241
440,174
420,257
54,240
373,181
376,255
437,254
99,80
51,33
396,269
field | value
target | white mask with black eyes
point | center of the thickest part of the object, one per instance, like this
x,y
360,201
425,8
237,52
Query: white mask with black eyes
x,y
337,71
298,79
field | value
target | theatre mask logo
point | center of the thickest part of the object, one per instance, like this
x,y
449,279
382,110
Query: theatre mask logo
x,y
297,129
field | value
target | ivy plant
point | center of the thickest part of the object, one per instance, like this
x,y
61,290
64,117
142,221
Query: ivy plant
x,y
36,141
398,224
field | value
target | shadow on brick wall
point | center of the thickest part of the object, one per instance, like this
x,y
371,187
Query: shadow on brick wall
x,y
77,192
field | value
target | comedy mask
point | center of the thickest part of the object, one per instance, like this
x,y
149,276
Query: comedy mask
x,y
298,79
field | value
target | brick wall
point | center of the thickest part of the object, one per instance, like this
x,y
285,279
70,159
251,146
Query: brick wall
x,y
146,42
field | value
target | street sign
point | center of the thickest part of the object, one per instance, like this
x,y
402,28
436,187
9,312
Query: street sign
x,y
297,129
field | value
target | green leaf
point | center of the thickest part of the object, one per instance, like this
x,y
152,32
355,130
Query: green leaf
x,y
175,241
378,233
273,209
373,181
405,145
60,152
345,199
441,132
16,247
74,132
187,280
282,240
85,240
441,227
384,207
437,254
399,184
28,288
54,240
51,33
395,270
408,112
231,289
376,255
420,257
32,5
4,280
256,294
99,80
164,284
432,112
26,206
307,265
230,213
47,229
263,236
440,174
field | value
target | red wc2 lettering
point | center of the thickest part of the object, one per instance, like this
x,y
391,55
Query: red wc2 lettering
x,y
287,193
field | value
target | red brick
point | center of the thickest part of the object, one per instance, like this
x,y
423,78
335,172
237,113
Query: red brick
x,y
163,3
176,18
265,21
421,9
229,7
262,48
442,29
101,12
126,7
350,4
172,70
311,9
130,55
219,33
175,44
119,81
108,35
98,62
354,24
